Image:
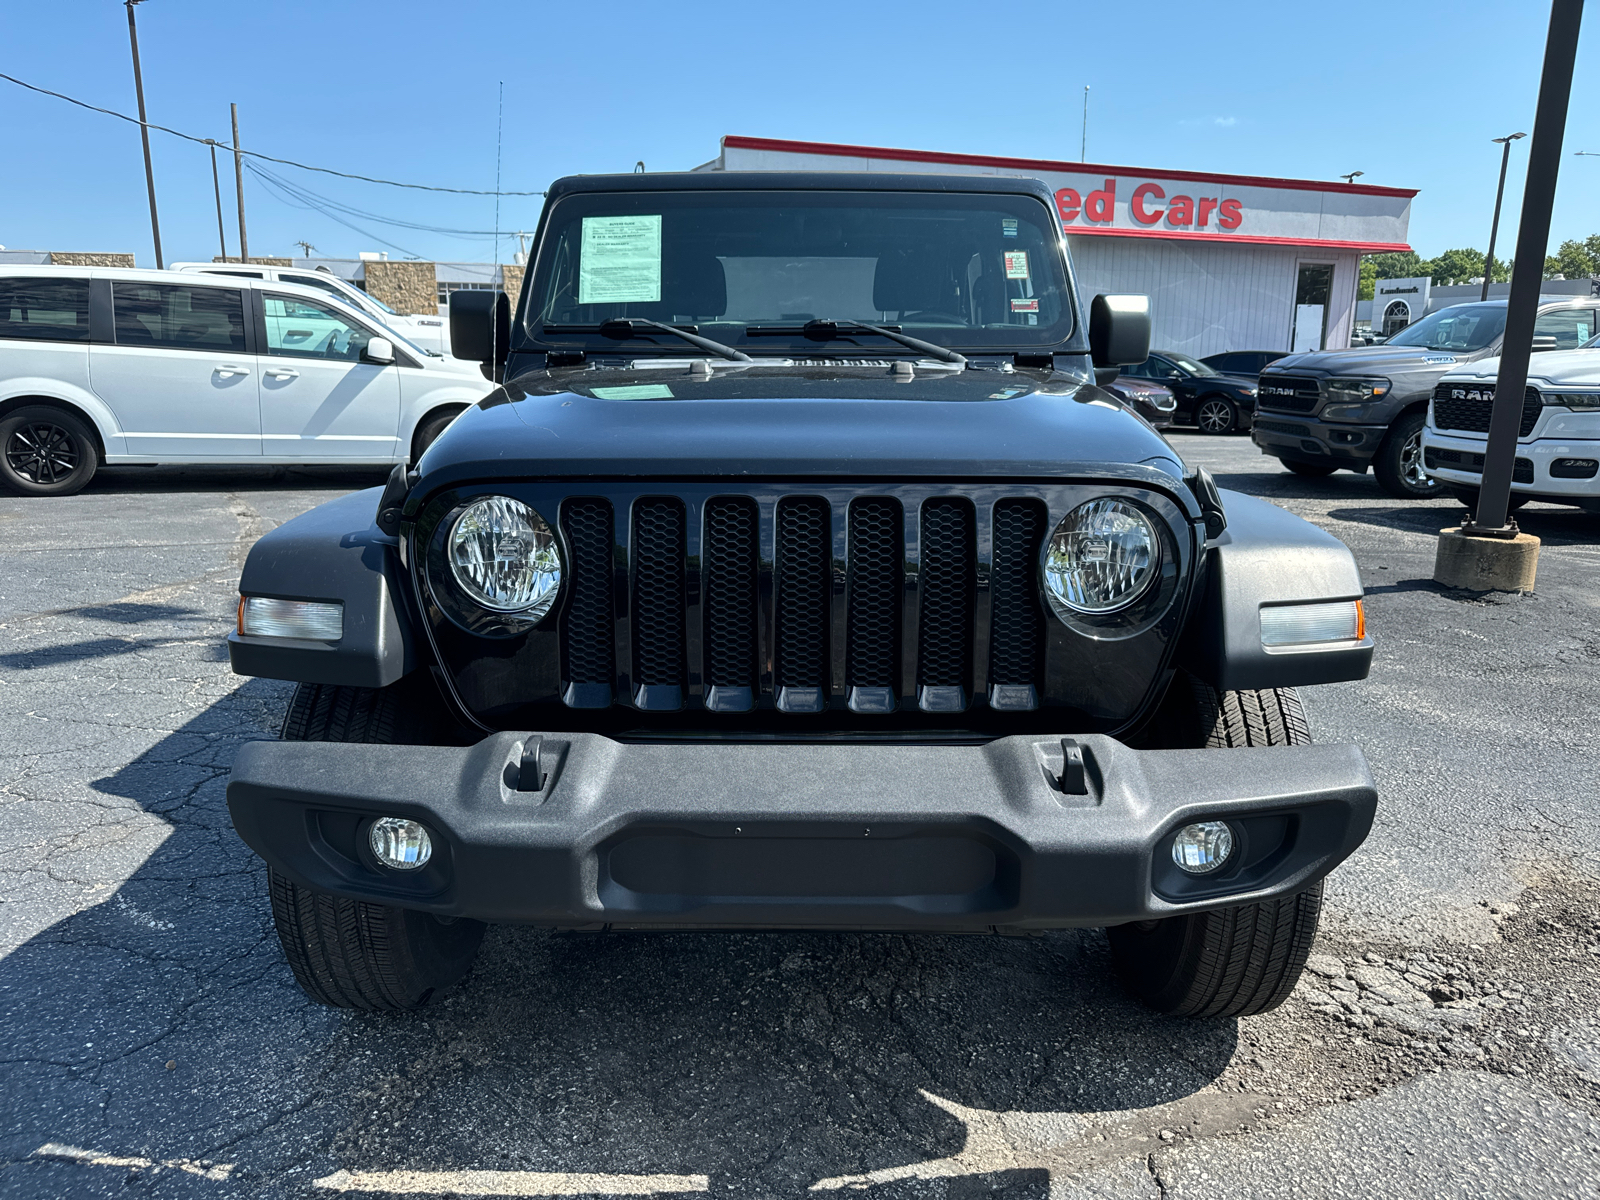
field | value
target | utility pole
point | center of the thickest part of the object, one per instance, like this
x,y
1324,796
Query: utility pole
x,y
144,134
238,184
216,186
307,247
1494,227
1083,149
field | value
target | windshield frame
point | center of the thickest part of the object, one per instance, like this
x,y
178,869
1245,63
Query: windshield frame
x,y
1067,335
1437,316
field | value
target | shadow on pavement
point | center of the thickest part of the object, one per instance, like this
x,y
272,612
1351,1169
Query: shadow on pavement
x,y
763,1062
117,480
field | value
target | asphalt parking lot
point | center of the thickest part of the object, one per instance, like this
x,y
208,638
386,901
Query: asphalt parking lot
x,y
153,1042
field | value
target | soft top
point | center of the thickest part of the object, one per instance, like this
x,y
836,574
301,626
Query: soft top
x,y
789,181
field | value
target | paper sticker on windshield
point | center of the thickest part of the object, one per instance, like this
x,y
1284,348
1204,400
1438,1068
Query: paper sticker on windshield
x,y
619,261
1025,305
1016,264
637,391
1008,227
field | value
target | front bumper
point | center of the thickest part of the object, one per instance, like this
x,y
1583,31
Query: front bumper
x,y
1309,439
831,835
1466,469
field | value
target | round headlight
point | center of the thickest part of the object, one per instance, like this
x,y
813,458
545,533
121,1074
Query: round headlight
x,y
503,556
1100,558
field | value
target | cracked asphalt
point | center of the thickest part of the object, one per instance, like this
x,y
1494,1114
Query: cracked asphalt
x,y
153,1043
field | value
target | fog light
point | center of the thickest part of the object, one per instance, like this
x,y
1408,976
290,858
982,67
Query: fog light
x,y
401,844
1203,847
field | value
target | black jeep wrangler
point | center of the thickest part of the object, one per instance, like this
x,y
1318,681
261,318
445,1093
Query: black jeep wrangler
x,y
799,576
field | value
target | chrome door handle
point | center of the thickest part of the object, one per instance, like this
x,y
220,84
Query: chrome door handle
x,y
228,370
282,373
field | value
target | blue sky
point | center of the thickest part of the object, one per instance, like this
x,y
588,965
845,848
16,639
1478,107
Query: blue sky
x,y
1408,93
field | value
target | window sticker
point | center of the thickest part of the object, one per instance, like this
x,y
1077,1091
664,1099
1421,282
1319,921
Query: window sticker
x,y
636,391
1008,227
620,260
1025,305
1016,264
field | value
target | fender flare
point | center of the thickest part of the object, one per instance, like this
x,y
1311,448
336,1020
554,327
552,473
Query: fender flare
x,y
334,553
1268,556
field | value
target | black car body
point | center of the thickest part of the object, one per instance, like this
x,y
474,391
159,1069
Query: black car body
x,y
1245,363
1208,399
1365,407
806,651
1152,401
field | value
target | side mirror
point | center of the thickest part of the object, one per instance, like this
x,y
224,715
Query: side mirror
x,y
1543,341
480,328
1119,330
378,350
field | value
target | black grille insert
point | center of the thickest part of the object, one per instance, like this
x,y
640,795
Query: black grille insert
x,y
1434,456
1016,639
876,559
658,601
1469,406
948,575
730,553
590,619
802,586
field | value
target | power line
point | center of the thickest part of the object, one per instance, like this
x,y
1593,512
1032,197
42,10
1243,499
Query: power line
x,y
288,162
328,206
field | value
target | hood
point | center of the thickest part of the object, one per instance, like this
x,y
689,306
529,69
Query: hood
x,y
1368,360
1575,368
1239,382
777,422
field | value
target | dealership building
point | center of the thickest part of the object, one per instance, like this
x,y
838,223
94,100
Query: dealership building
x,y
1230,262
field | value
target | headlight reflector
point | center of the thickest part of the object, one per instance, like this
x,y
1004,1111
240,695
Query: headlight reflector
x,y
504,557
1100,558
1356,389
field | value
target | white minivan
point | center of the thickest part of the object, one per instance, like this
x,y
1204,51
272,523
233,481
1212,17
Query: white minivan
x,y
111,365
431,333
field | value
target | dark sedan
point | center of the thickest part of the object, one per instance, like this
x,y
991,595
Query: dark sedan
x,y
1152,401
1243,362
1207,398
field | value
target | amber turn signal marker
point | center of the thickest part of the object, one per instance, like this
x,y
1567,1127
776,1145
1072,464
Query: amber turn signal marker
x,y
239,617
1361,620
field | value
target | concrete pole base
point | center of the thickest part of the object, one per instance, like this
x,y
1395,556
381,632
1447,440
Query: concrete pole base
x,y
1484,564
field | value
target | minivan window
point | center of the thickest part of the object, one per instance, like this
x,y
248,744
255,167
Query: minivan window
x,y
177,317
54,310
304,328
1460,327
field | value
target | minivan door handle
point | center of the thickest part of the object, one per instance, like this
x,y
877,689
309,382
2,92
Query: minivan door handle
x,y
282,373
227,370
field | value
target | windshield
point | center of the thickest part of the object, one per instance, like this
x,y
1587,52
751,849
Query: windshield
x,y
1463,327
751,269
1193,365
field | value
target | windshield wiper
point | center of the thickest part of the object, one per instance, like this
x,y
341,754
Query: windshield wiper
x,y
828,331
622,328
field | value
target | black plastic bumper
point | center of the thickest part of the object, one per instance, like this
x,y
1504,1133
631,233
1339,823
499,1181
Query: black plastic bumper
x,y
1307,439
856,835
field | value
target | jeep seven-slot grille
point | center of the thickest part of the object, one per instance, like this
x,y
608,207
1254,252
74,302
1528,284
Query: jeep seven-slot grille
x,y
1469,406
802,603
1287,393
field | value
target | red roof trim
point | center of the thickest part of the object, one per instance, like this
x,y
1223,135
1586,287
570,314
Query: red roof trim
x,y
1031,164
1176,236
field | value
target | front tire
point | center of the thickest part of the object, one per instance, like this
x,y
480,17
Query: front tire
x,y
1215,415
1398,464
46,451
1229,962
429,430
349,953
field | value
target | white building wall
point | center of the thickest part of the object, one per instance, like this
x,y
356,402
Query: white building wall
x,y
1208,298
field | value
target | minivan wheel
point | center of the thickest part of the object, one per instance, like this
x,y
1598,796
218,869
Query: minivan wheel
x,y
1398,464
46,451
1216,414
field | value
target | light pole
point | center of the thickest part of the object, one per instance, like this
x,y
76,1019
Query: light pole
x,y
1353,176
1494,227
1083,149
144,134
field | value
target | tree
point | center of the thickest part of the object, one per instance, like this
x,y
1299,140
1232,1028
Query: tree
x,y
1456,266
1395,264
1575,259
